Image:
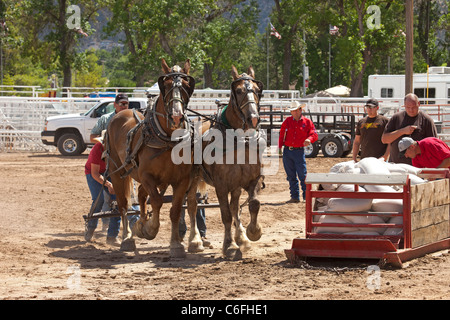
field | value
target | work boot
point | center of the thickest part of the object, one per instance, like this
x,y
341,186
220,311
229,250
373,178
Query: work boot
x,y
88,234
293,201
113,241
206,243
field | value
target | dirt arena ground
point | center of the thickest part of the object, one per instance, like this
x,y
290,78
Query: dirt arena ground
x,y
43,254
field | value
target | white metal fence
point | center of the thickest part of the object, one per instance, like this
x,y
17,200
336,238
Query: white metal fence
x,y
23,118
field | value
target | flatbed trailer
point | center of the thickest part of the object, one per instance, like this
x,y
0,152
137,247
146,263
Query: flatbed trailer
x,y
336,131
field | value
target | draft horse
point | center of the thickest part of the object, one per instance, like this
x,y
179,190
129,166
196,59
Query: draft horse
x,y
240,115
140,148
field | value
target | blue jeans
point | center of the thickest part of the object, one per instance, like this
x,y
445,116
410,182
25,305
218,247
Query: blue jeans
x,y
96,188
294,163
201,222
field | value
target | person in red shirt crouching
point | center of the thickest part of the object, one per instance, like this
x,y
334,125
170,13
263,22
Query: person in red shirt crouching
x,y
296,132
427,153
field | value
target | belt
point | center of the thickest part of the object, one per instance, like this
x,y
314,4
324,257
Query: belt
x,y
294,148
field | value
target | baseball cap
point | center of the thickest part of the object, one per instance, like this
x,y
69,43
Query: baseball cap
x,y
121,97
372,103
296,105
404,144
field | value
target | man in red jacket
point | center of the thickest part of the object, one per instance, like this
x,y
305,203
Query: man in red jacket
x,y
427,153
296,132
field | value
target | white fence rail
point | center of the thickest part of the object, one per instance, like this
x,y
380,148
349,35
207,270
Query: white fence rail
x,y
23,118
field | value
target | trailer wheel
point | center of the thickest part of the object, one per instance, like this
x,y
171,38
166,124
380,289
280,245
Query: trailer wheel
x,y
332,147
312,150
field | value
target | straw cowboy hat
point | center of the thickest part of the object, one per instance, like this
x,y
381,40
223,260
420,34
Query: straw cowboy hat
x,y
296,105
101,138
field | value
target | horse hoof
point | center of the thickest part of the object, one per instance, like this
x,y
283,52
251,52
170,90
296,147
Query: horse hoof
x,y
150,233
254,232
231,252
237,255
245,246
195,247
128,245
177,253
138,229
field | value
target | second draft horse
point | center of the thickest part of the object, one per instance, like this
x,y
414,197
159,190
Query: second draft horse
x,y
240,115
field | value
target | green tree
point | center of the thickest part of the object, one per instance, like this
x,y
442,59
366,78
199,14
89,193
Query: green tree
x,y
226,36
51,30
431,19
115,67
368,29
194,29
152,29
90,74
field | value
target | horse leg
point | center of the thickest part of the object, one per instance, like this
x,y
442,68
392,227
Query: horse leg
x,y
148,227
240,236
254,230
176,247
142,196
195,240
151,226
230,247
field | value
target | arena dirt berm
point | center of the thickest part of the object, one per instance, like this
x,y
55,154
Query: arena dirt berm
x,y
43,254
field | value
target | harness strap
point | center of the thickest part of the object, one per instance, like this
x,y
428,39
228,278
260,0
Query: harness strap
x,y
131,156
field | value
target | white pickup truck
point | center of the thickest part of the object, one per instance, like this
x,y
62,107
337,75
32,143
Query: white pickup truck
x,y
70,133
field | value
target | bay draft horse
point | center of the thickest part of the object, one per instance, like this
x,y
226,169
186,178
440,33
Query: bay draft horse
x,y
242,112
140,149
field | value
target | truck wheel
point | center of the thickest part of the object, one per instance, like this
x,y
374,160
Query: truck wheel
x,y
332,148
70,144
312,150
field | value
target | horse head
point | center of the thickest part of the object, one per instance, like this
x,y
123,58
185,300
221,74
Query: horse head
x,y
245,97
176,88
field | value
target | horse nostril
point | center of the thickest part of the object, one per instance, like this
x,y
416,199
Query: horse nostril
x,y
253,120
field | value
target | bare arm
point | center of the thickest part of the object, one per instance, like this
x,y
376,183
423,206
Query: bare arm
x,y
394,135
93,136
387,153
445,163
95,172
355,149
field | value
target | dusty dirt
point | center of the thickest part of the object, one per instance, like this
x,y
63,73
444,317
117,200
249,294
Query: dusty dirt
x,y
43,254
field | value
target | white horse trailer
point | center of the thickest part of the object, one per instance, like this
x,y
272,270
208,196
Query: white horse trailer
x,y
432,87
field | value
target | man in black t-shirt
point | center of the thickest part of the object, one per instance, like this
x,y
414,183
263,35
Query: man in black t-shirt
x,y
411,122
368,134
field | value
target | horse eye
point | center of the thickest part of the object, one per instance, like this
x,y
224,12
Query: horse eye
x,y
239,90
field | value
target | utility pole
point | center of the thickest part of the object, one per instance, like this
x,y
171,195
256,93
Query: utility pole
x,y
409,6
268,42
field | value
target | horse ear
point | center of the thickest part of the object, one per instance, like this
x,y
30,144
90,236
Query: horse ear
x,y
187,66
251,72
165,67
234,72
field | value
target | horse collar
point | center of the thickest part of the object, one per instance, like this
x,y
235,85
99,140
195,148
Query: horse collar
x,y
223,117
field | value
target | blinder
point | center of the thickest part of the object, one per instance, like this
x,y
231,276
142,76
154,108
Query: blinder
x,y
177,77
248,88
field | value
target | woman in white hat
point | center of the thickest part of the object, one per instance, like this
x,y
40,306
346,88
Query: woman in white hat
x,y
296,132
